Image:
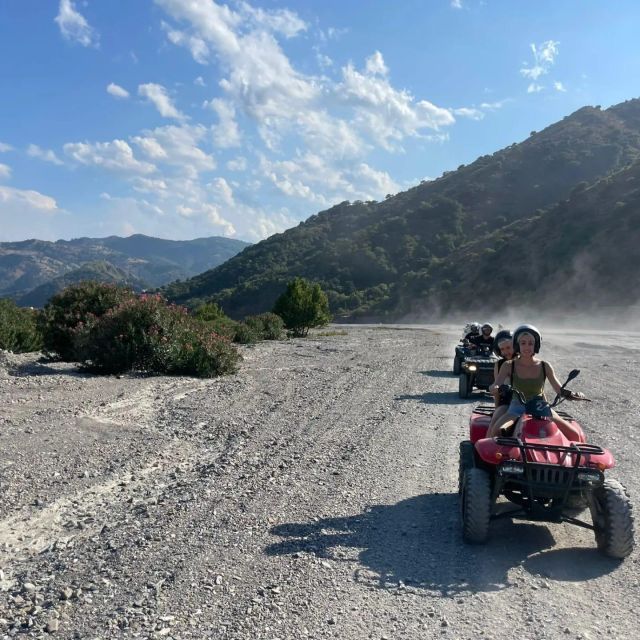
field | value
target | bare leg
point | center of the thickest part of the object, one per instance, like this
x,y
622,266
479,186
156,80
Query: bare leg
x,y
506,420
566,428
497,414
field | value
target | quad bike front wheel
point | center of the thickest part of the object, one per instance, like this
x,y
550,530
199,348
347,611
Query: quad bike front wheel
x,y
466,462
464,385
612,515
476,505
456,365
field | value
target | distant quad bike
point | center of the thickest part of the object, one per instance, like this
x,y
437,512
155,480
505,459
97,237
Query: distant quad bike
x,y
546,476
476,370
462,350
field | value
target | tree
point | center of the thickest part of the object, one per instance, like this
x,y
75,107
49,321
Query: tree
x,y
303,306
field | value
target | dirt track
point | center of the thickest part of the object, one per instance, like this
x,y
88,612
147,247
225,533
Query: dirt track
x,y
312,495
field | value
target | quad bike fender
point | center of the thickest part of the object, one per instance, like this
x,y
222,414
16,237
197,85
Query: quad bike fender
x,y
478,426
493,453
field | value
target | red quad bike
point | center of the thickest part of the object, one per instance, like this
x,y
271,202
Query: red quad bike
x,y
548,478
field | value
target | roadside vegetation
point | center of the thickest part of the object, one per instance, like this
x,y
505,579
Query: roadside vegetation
x,y
109,329
18,328
303,306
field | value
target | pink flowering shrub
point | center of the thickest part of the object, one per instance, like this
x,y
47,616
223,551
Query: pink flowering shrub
x,y
69,310
147,334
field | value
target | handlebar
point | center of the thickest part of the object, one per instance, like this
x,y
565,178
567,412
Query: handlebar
x,y
574,395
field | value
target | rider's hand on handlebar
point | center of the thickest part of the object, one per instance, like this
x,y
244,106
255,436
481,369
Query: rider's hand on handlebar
x,y
573,395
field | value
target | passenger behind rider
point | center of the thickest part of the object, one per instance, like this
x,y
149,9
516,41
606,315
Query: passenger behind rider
x,y
503,348
484,339
528,375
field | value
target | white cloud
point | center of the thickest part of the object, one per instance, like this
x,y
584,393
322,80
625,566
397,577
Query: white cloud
x,y
74,26
5,171
25,213
262,84
178,146
324,61
310,177
117,91
226,133
456,4
4,147
469,112
116,155
28,198
222,191
237,164
150,147
199,82
385,113
281,21
158,96
157,187
260,76
197,46
375,65
544,57
558,86
493,106
34,151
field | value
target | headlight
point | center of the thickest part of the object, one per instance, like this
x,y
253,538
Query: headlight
x,y
512,467
472,367
589,476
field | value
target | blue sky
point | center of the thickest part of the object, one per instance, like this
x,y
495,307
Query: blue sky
x,y
187,118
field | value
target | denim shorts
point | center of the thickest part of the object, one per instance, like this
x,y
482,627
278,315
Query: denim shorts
x,y
516,408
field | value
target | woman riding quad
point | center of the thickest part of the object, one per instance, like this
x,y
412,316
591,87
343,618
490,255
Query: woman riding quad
x,y
528,375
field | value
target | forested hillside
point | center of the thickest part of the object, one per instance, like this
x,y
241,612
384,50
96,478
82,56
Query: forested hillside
x,y
374,259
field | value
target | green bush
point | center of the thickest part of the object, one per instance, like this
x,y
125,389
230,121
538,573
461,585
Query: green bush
x,y
268,326
245,334
147,334
68,311
302,306
18,328
216,320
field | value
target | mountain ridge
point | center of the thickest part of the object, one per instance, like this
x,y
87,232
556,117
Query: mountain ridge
x,y
371,256
28,264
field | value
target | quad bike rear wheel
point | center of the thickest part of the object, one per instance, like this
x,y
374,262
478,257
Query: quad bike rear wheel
x,y
612,515
476,505
464,385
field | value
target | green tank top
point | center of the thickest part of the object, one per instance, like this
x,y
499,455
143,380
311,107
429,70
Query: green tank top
x,y
528,387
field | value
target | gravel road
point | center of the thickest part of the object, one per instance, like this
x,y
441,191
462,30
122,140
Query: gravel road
x,y
312,495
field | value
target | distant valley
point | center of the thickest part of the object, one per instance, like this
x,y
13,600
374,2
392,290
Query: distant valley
x,y
32,270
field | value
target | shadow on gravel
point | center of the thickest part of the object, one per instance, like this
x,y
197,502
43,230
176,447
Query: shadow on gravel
x,y
571,565
417,544
36,369
441,397
437,373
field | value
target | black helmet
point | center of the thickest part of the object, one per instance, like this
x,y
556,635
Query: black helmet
x,y
501,336
486,325
527,328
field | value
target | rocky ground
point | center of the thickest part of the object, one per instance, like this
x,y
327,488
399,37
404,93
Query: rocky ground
x,y
312,495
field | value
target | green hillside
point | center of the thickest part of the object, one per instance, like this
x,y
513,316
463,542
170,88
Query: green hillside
x,y
99,271
373,258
